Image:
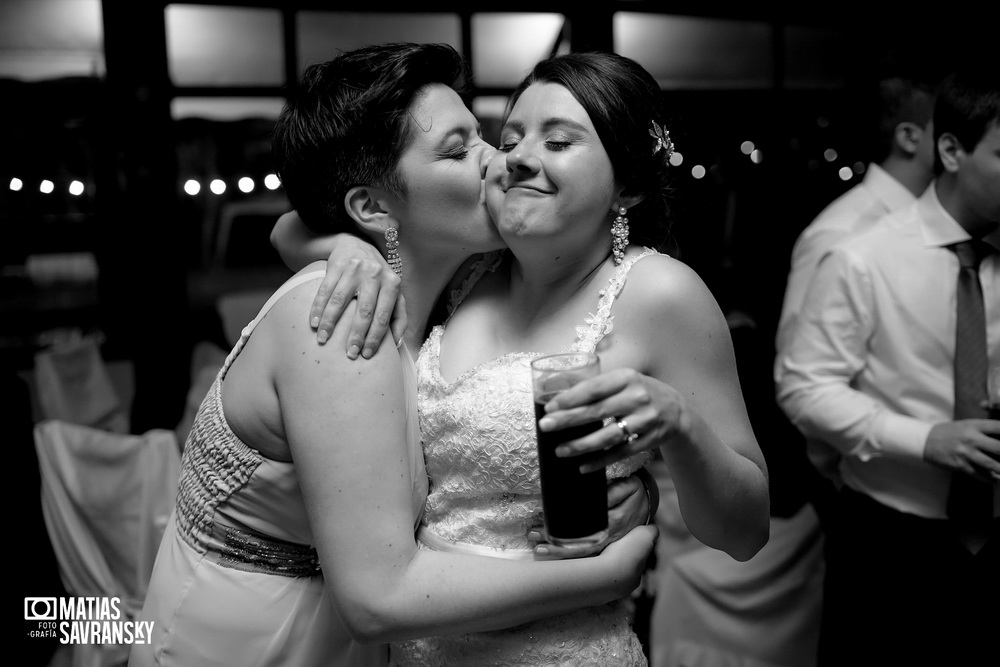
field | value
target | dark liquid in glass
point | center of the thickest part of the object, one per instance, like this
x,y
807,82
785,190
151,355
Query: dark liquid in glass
x,y
575,504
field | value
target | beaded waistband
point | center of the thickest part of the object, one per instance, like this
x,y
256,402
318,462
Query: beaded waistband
x,y
253,553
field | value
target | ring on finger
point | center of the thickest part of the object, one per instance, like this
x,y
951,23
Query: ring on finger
x,y
627,435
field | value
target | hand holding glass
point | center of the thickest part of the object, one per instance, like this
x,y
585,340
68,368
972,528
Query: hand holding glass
x,y
575,504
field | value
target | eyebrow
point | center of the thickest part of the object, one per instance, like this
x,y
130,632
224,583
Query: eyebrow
x,y
460,129
547,124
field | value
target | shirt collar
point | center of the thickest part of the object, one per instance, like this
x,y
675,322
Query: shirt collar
x,y
939,228
893,194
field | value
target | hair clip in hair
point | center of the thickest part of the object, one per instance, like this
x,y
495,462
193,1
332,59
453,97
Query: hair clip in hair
x,y
663,141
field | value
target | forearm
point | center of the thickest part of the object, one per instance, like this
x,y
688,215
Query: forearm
x,y
450,593
723,495
827,408
297,245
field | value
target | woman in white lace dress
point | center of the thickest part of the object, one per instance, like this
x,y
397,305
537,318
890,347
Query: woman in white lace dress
x,y
582,147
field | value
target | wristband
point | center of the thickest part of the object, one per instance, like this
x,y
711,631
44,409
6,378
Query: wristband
x,y
652,493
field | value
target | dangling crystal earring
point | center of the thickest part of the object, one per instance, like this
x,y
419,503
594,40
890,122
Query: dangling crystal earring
x,y
619,235
391,247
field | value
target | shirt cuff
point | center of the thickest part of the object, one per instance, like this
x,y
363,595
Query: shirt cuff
x,y
897,435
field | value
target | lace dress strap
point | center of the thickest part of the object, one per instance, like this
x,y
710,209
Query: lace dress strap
x,y
291,284
488,262
596,326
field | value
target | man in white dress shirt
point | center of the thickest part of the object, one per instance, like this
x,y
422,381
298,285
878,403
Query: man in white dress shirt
x,y
898,175
869,369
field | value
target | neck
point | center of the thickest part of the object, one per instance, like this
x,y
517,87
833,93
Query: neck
x,y
948,191
426,273
544,278
909,172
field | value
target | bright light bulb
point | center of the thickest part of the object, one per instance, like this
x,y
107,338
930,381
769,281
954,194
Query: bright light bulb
x,y
698,171
192,187
271,182
76,188
46,187
16,184
246,184
217,186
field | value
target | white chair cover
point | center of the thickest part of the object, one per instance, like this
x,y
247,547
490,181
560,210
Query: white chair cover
x,y
106,498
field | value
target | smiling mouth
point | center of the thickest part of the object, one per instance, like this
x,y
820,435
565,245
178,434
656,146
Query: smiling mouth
x,y
519,186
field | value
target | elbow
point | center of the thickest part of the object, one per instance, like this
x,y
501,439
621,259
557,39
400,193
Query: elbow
x,y
751,544
741,542
367,626
378,619
748,533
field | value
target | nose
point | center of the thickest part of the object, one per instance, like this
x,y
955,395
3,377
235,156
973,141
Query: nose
x,y
522,160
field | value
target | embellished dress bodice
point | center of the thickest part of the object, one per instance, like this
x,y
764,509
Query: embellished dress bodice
x,y
237,580
480,454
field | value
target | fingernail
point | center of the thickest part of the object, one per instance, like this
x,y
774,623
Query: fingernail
x,y
314,322
542,551
367,353
352,352
545,423
534,536
563,451
323,336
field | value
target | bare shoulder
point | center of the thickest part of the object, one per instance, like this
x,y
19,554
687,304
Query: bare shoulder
x,y
667,311
658,282
666,304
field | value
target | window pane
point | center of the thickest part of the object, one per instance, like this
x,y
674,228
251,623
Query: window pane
x,y
488,109
697,53
226,108
323,34
47,39
506,46
224,46
817,57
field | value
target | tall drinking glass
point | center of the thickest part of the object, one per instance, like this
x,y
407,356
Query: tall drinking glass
x,y
574,504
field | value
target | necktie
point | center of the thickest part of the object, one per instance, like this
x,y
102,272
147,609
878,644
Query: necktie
x,y
970,501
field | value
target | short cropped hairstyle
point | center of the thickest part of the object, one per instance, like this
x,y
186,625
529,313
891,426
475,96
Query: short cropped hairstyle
x,y
347,124
622,100
901,99
968,104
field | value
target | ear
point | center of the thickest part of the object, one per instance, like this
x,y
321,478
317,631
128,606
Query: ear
x,y
950,151
626,201
371,208
908,137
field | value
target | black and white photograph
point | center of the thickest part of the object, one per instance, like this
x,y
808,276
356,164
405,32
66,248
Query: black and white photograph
x,y
501,334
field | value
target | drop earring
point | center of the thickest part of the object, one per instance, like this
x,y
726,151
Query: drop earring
x,y
619,235
392,250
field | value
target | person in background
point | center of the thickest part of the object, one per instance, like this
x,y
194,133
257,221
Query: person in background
x,y
901,169
887,363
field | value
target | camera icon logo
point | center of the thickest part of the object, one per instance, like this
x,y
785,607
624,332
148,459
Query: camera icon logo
x,y
40,609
